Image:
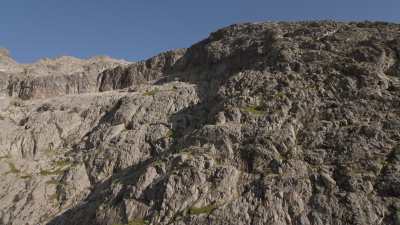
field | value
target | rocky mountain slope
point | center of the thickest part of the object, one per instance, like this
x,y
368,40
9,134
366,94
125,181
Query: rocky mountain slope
x,y
51,77
260,123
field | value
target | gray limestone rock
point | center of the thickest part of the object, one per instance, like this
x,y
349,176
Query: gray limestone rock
x,y
291,123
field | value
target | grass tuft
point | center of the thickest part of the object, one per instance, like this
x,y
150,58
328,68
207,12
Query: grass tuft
x,y
254,109
280,94
158,163
170,134
152,92
26,176
62,163
5,157
397,217
52,172
202,210
17,103
13,169
136,222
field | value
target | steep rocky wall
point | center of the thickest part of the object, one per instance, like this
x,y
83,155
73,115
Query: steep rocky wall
x,y
138,73
68,75
52,77
260,123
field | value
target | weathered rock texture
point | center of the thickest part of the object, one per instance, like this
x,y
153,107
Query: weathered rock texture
x,y
52,77
261,123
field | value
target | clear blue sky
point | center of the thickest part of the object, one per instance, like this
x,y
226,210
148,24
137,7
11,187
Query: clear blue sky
x,y
134,30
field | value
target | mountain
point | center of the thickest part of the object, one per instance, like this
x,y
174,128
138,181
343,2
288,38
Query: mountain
x,y
286,123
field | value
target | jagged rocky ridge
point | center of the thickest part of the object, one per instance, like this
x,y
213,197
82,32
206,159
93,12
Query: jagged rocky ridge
x,y
260,123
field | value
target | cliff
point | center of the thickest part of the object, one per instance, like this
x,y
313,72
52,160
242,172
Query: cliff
x,y
260,123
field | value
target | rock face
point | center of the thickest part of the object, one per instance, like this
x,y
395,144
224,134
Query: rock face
x,y
153,69
261,123
52,77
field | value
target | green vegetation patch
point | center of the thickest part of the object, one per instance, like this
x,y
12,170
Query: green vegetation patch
x,y
280,94
171,134
62,163
60,167
395,154
397,217
17,103
158,163
202,210
136,222
219,160
13,168
52,172
51,152
26,176
5,157
254,109
152,92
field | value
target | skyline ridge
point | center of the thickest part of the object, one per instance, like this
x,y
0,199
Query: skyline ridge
x,y
138,30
